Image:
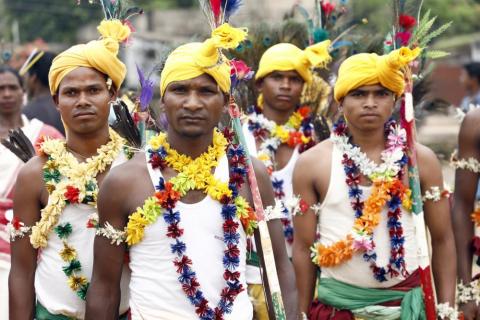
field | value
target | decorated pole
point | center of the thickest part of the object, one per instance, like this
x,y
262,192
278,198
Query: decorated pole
x,y
408,123
270,271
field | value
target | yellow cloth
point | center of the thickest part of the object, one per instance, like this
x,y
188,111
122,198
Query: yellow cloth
x,y
366,69
98,54
194,59
286,56
257,296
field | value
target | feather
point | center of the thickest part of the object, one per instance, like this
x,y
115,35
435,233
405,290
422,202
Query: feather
x,y
216,9
124,124
18,143
230,7
147,88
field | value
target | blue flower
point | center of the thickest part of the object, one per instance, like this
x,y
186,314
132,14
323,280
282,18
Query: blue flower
x,y
196,298
393,223
397,241
229,211
230,263
171,217
277,183
179,247
394,203
367,257
288,232
187,275
355,192
231,238
161,185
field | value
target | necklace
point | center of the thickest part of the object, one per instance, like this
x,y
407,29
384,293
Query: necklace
x,y
386,190
234,208
70,182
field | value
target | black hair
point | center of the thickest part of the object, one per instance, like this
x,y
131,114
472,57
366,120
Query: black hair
x,y
42,67
473,70
7,69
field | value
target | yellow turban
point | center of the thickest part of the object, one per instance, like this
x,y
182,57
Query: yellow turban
x,y
194,59
99,54
366,69
286,56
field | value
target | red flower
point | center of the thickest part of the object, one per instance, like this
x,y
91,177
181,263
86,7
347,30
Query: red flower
x,y
230,226
240,69
180,264
228,134
174,231
232,251
305,111
72,194
167,197
16,223
327,7
294,138
404,37
406,22
202,307
157,162
303,206
251,217
229,275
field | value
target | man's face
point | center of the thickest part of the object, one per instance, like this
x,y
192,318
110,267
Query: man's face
x,y
11,94
281,90
470,84
368,107
82,100
193,107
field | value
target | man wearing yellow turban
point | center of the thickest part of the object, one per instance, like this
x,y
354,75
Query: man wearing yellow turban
x,y
278,129
367,247
187,225
56,209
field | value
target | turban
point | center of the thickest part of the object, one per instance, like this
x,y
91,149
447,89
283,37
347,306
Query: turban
x,y
366,69
194,59
286,56
100,55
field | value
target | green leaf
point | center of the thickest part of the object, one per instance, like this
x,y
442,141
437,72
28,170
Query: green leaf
x,y
73,266
51,175
82,292
436,54
432,35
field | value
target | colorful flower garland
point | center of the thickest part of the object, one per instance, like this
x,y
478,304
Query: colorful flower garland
x,y
298,131
387,189
70,182
195,174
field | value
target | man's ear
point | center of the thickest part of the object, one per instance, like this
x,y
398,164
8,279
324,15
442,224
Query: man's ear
x,y
55,100
113,93
259,85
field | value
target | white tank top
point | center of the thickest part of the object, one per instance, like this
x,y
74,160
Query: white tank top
x,y
155,290
336,220
51,285
285,174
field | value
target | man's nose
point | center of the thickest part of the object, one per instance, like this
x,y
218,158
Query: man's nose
x,y
370,101
193,101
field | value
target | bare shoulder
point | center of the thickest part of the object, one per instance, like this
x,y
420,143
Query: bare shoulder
x,y
259,168
429,166
31,175
125,175
316,159
471,120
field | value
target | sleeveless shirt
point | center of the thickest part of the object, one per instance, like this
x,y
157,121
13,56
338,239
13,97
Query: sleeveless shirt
x,y
336,218
51,285
155,290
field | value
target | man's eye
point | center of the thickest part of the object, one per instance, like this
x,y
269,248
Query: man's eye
x,y
178,89
94,90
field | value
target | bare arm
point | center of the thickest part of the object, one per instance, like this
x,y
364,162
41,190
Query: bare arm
x,y
27,207
438,220
103,297
284,267
305,229
464,198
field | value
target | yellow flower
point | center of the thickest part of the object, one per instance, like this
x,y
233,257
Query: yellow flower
x,y
182,183
76,282
281,133
217,189
227,37
407,200
295,120
156,141
68,253
136,227
305,139
242,207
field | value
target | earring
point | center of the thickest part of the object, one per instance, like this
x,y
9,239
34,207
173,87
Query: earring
x,y
109,84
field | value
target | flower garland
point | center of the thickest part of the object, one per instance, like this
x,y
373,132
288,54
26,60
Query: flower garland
x,y
434,194
196,174
468,292
16,229
298,131
387,189
70,182
470,164
446,312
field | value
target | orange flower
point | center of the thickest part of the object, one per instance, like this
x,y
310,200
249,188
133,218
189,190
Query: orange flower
x,y
476,217
335,254
304,111
167,197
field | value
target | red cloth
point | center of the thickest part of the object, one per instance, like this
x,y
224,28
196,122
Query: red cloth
x,y
320,311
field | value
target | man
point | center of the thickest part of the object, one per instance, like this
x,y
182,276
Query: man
x,y
11,101
470,79
40,103
187,245
56,208
278,130
466,181
359,180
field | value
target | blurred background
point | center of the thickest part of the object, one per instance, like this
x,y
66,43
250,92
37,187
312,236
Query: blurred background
x,y
56,24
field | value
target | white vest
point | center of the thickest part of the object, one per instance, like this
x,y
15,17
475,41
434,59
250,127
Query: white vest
x,y
51,285
155,290
285,174
336,221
